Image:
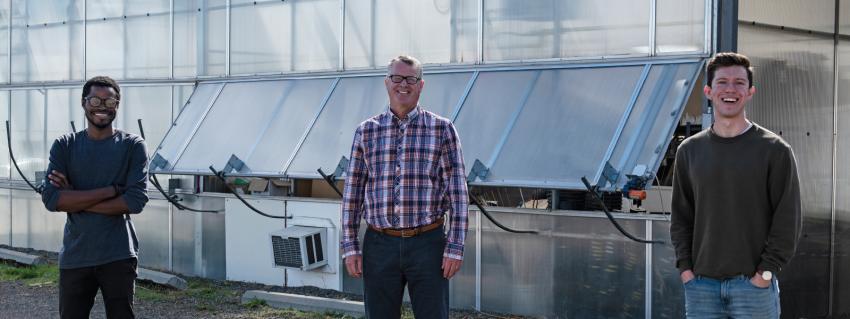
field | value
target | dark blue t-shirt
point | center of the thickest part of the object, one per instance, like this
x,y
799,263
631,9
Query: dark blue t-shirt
x,y
93,239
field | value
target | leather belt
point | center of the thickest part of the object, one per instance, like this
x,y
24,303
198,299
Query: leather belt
x,y
409,232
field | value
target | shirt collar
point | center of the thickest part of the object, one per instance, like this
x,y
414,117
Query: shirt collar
x,y
410,116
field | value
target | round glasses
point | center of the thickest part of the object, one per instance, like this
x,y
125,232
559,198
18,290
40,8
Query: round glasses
x,y
95,101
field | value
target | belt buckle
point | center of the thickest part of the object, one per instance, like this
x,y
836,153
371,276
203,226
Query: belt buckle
x,y
407,233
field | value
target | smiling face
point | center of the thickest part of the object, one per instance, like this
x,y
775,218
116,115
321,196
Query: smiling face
x,y
100,116
729,92
403,96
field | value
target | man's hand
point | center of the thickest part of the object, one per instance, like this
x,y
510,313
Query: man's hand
x,y
354,265
59,180
450,267
687,276
757,281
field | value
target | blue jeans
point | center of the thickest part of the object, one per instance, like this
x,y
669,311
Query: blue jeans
x,y
390,263
731,298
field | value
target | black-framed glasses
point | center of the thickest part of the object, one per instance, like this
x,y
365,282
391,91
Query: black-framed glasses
x,y
95,101
409,79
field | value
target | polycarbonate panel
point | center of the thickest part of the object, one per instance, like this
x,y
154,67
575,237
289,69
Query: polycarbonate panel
x,y
234,123
523,30
841,278
47,40
814,15
4,42
550,143
151,104
64,106
577,267
462,285
650,126
5,217
668,293
432,31
182,93
680,26
5,164
32,225
276,36
353,101
487,110
186,123
199,37
29,142
442,92
794,80
98,9
153,229
297,107
132,41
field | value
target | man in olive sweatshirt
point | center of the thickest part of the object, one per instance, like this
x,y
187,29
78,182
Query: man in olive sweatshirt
x,y
736,204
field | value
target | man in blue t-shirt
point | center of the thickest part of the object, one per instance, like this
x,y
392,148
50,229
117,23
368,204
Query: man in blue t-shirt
x,y
98,176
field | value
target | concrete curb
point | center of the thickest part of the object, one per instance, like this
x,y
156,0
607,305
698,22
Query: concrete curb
x,y
306,303
162,278
22,258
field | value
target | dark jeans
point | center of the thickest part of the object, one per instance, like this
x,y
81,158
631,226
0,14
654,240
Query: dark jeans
x,y
391,262
78,287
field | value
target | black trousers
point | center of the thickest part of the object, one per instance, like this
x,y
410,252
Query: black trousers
x,y
116,281
390,263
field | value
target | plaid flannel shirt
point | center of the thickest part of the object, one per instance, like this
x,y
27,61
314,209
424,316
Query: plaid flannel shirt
x,y
405,173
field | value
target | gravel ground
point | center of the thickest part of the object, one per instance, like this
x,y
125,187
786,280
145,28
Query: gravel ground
x,y
205,299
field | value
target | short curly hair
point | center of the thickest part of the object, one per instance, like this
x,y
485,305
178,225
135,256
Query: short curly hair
x,y
102,81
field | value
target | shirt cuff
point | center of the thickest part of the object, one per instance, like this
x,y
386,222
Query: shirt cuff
x,y
453,251
350,248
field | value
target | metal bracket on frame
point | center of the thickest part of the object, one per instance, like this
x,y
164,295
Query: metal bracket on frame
x,y
233,164
479,170
158,162
609,175
341,167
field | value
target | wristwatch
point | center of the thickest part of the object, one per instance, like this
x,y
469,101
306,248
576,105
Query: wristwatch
x,y
767,275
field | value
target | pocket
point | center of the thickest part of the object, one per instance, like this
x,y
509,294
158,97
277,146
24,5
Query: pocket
x,y
750,283
690,282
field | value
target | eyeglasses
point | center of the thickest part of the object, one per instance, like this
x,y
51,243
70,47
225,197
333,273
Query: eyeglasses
x,y
95,101
409,79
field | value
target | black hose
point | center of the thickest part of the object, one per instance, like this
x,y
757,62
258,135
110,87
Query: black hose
x,y
73,127
174,202
329,181
12,156
220,176
611,217
503,227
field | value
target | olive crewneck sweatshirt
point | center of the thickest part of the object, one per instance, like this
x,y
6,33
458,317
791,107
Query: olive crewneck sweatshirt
x,y
736,204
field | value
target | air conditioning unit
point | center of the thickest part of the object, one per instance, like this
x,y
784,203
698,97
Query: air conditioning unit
x,y
299,247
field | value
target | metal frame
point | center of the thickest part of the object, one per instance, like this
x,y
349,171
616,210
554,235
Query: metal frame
x,y
647,292
197,125
623,120
510,126
310,127
686,92
463,97
653,25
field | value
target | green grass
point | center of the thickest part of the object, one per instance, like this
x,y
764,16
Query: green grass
x,y
207,294
36,275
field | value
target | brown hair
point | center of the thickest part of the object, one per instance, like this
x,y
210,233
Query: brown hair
x,y
723,59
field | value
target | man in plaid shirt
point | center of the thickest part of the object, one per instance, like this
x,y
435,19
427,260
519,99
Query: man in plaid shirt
x,y
406,172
